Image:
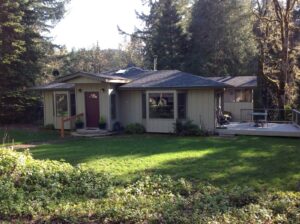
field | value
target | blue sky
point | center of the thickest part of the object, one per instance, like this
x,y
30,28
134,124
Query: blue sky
x,y
89,21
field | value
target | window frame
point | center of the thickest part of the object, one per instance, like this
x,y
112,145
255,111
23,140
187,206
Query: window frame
x,y
173,93
67,112
243,92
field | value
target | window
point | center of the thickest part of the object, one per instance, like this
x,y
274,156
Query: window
x,y
113,106
181,98
143,105
61,104
243,95
229,96
161,105
73,104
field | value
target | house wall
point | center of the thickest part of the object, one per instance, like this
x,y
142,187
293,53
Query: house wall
x,y
235,109
130,107
48,107
201,108
103,90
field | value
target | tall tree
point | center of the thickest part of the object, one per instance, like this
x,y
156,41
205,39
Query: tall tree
x,y
24,47
163,35
278,49
221,38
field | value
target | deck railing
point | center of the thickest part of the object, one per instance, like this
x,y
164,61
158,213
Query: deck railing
x,y
68,119
296,118
273,115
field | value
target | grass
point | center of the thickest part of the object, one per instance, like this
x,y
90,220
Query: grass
x,y
23,136
250,161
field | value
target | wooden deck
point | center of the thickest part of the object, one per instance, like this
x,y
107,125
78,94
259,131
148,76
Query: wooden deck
x,y
270,129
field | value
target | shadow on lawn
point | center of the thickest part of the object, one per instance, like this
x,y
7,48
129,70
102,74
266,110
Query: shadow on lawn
x,y
270,162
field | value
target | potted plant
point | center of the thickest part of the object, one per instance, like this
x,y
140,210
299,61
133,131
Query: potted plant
x,y
102,123
79,124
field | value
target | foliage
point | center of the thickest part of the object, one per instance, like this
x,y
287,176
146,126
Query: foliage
x,y
187,128
218,33
102,120
49,126
23,48
56,192
135,128
163,35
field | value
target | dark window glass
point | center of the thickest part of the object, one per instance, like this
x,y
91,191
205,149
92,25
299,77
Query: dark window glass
x,y
73,104
161,105
181,99
143,105
61,105
113,106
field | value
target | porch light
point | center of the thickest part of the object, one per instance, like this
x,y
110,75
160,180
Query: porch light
x,y
80,90
103,90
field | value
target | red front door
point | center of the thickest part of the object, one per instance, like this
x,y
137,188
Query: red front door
x,y
92,109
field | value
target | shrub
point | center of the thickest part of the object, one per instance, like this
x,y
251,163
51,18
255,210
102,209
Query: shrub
x,y
187,128
49,127
135,128
34,191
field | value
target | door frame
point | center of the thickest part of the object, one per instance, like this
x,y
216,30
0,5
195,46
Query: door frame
x,y
85,112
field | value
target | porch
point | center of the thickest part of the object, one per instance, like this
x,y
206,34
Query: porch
x,y
270,125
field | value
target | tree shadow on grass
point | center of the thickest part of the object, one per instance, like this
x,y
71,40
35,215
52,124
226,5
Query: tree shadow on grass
x,y
271,162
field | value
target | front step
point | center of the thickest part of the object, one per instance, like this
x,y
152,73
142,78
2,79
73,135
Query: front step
x,y
95,132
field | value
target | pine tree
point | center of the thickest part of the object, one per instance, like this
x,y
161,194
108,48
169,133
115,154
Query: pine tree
x,y
163,35
221,38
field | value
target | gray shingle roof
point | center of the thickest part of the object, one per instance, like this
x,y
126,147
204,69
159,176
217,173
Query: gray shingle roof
x,y
171,79
55,86
237,81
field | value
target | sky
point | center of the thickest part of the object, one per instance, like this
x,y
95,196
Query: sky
x,y
90,21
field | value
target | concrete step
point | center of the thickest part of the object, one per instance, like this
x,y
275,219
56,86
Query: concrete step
x,y
95,132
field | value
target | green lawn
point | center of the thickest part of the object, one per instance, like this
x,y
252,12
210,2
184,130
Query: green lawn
x,y
251,161
23,136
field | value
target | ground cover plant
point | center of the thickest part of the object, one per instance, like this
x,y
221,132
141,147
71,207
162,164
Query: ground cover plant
x,y
34,191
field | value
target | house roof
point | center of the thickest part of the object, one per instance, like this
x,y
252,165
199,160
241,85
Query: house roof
x,y
96,76
171,79
237,81
55,86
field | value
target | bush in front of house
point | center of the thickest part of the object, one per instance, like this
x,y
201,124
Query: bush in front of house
x,y
36,191
187,128
135,128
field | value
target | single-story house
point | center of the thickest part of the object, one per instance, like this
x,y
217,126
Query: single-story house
x,y
155,99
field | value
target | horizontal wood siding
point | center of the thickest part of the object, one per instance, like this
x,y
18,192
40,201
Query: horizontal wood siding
x,y
48,108
235,109
130,107
201,108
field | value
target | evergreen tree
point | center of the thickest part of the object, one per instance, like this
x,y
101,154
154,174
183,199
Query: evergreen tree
x,y
163,35
221,38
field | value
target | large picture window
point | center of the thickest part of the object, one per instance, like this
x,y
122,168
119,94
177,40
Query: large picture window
x,y
243,95
161,105
181,98
61,105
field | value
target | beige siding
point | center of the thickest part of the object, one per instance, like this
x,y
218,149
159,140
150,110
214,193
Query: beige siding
x,y
102,89
48,108
130,110
235,109
201,108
